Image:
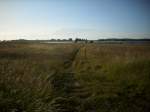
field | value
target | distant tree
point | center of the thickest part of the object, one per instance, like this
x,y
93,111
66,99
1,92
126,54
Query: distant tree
x,y
81,39
91,41
52,39
70,39
76,40
64,39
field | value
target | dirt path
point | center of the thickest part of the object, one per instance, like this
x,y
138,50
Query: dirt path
x,y
68,64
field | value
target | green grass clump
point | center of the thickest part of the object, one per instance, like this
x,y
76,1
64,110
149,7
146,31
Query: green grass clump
x,y
118,80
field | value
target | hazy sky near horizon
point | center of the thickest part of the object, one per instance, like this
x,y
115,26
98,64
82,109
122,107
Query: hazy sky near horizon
x,y
93,19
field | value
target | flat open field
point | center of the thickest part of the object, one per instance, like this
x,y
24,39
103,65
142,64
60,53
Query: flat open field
x,y
69,77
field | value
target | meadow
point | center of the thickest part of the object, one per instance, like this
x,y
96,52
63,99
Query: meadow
x,y
73,77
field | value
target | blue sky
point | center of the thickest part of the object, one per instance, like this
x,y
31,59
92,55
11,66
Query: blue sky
x,y
93,19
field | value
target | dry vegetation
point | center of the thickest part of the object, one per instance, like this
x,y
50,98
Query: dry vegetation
x,y
38,77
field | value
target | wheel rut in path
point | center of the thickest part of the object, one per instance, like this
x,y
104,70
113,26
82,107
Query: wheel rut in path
x,y
68,93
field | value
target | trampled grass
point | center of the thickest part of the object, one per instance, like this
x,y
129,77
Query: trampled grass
x,y
36,77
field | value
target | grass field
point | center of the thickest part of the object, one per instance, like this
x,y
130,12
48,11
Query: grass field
x,y
36,77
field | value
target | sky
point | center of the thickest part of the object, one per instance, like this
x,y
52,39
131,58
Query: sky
x,y
91,19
